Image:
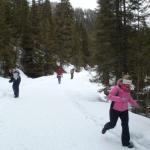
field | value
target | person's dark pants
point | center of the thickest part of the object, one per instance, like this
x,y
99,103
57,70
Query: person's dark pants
x,y
59,79
16,90
71,75
114,115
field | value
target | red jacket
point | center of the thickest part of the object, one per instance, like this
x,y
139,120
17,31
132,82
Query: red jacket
x,y
60,71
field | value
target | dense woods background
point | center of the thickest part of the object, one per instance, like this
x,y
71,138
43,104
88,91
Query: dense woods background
x,y
115,37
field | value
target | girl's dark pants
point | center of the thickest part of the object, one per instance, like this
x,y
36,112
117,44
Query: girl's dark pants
x,y
16,89
71,75
114,115
59,79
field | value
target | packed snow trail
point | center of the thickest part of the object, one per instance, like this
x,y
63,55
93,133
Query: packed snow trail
x,y
69,116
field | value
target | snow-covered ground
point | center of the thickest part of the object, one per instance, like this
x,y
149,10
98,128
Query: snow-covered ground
x,y
69,116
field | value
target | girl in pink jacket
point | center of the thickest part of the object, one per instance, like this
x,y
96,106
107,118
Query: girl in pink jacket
x,y
120,96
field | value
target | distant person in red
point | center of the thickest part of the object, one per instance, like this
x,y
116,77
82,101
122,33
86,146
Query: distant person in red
x,y
59,72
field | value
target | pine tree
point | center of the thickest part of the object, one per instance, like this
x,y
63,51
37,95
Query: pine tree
x,y
6,47
80,50
47,35
105,28
114,27
64,30
138,41
33,56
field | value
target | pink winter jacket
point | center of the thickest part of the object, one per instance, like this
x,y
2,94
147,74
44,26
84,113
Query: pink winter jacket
x,y
121,99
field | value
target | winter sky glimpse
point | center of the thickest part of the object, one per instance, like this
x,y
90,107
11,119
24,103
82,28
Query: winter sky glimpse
x,y
85,4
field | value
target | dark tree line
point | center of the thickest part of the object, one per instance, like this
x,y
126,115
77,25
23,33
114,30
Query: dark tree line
x,y
35,36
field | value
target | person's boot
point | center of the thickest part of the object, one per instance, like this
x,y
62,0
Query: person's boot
x,y
103,131
130,145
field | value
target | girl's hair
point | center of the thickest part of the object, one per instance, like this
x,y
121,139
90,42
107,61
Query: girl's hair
x,y
119,81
